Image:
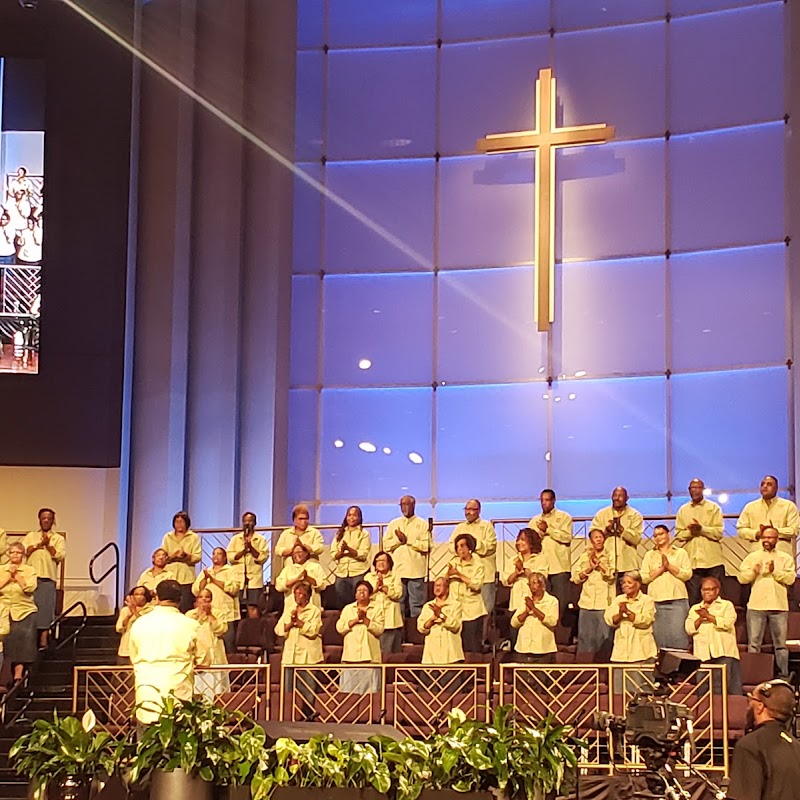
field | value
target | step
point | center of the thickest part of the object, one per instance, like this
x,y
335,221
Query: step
x,y
14,789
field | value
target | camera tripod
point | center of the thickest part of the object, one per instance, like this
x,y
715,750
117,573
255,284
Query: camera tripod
x,y
664,784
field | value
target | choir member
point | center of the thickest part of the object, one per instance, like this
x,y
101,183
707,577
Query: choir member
x,y
665,571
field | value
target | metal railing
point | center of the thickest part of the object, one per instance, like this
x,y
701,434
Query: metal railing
x,y
72,637
413,697
109,691
575,693
113,568
733,548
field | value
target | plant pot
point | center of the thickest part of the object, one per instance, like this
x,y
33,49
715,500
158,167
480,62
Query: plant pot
x,y
232,793
327,793
452,794
71,787
177,785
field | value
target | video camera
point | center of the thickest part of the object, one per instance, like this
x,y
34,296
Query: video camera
x,y
655,724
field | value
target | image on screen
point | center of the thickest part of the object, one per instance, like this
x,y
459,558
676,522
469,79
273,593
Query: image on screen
x,y
21,212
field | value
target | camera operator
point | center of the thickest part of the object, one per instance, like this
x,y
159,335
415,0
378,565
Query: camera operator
x,y
766,762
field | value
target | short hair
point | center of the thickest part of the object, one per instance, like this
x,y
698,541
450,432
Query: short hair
x,y
548,491
388,556
661,528
777,482
169,592
474,500
224,551
362,582
250,514
45,511
16,546
711,579
299,509
304,587
159,550
769,528
539,576
469,539
633,574
148,595
184,515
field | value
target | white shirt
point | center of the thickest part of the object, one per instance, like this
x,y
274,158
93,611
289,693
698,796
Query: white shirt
x,y
164,647
410,559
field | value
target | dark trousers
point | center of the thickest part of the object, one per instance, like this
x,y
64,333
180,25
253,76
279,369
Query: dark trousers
x,y
345,589
187,598
694,583
472,635
559,586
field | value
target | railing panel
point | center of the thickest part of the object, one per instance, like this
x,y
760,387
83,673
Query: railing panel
x,y
420,696
573,694
109,692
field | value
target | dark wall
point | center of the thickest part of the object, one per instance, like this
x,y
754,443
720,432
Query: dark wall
x,y
70,413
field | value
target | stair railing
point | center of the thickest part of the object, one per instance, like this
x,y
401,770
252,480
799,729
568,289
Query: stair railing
x,y
73,635
113,568
20,687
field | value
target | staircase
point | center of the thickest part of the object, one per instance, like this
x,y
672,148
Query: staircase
x,y
51,684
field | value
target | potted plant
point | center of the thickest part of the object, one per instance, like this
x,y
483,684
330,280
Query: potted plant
x,y
61,757
325,768
504,757
192,746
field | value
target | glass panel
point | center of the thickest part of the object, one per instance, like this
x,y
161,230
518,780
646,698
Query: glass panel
x,y
307,239
302,456
632,60
486,210
612,317
392,227
499,78
373,513
310,23
594,13
310,103
378,329
610,200
730,503
381,103
730,427
352,23
611,432
305,330
356,420
728,187
678,7
491,441
586,509
749,88
713,295
486,327
489,510
489,19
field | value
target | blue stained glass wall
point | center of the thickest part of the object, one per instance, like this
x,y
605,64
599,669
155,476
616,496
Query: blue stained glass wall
x,y
416,364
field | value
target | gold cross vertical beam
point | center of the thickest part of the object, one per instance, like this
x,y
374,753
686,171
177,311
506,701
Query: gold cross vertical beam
x,y
544,140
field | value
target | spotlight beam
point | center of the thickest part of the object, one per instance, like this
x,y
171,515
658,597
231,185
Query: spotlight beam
x,y
249,136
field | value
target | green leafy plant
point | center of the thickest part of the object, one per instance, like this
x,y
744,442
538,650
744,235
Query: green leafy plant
x,y
409,763
220,746
503,756
62,747
324,762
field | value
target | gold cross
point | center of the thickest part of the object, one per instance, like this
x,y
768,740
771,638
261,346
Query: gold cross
x,y
544,139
